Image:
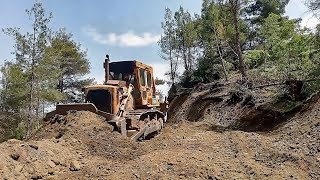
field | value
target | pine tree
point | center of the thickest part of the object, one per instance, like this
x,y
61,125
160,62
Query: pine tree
x,y
29,49
48,68
65,57
168,44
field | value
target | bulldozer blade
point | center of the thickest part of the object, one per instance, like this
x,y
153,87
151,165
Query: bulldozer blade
x,y
63,109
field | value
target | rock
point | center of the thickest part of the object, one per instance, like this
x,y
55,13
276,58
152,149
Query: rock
x,y
34,177
1,166
51,172
13,141
171,163
60,134
74,140
136,175
29,169
18,168
212,177
56,162
50,178
26,174
51,164
15,156
34,146
75,166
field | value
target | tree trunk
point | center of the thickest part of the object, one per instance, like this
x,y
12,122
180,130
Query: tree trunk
x,y
220,54
30,107
32,79
172,73
235,6
222,62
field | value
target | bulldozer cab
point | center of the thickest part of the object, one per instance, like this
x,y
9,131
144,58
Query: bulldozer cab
x,y
140,76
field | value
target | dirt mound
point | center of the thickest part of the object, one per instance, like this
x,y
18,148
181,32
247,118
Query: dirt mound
x,y
65,145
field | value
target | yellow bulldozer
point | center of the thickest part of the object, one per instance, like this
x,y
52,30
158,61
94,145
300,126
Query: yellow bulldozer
x,y
128,100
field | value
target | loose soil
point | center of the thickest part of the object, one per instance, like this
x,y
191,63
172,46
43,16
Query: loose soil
x,y
82,145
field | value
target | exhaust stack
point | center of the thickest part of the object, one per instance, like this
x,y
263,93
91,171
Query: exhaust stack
x,y
106,68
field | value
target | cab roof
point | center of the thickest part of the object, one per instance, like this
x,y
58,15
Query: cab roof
x,y
127,66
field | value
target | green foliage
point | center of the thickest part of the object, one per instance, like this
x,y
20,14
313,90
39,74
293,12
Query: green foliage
x,y
159,81
288,48
11,126
207,72
261,9
168,45
185,38
28,70
255,58
14,93
68,63
255,13
313,5
19,133
238,35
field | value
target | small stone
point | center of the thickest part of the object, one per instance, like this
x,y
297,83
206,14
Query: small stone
x,y
51,172
26,174
13,141
18,168
136,175
51,164
15,156
50,178
34,177
75,166
172,163
74,140
34,146
60,134
56,162
29,169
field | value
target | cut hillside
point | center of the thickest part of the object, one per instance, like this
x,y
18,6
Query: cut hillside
x,y
234,106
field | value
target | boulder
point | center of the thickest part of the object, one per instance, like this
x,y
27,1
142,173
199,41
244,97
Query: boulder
x,y
75,166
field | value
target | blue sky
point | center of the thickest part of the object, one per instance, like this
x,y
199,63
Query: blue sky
x,y
125,29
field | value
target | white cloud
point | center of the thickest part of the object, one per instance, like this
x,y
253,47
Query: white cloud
x,y
159,70
310,21
128,39
298,9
